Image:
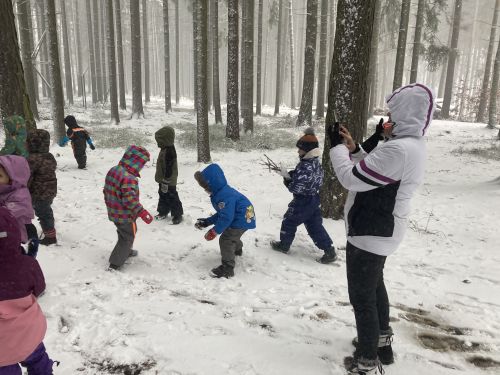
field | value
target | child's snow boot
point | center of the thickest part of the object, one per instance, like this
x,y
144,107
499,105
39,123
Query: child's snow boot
x,y
384,351
49,238
133,253
177,220
329,256
239,252
362,366
279,246
222,271
160,217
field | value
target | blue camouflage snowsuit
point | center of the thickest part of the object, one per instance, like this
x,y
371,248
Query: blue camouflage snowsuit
x,y
305,183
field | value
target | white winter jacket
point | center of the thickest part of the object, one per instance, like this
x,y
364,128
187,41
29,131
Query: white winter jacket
x,y
382,182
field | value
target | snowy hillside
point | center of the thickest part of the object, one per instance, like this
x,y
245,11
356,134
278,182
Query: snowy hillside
x,y
280,314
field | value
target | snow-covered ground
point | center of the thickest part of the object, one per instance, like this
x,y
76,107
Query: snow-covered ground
x,y
280,314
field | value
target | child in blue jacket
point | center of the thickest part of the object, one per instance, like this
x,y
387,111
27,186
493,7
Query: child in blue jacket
x,y
235,215
304,183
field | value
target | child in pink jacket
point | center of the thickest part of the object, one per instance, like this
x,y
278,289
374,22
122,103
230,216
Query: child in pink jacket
x,y
22,323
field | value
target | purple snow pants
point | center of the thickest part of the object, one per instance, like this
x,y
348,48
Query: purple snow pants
x,y
38,363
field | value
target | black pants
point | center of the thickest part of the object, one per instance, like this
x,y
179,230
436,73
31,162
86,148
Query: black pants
x,y
169,202
368,297
79,151
45,214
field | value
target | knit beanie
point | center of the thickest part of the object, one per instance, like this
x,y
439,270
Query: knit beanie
x,y
308,141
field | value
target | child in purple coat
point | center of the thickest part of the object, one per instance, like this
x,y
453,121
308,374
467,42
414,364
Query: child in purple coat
x,y
22,323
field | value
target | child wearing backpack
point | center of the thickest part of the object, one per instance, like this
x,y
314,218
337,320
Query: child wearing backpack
x,y
79,138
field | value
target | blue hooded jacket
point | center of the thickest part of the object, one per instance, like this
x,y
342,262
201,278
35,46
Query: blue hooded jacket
x,y
234,210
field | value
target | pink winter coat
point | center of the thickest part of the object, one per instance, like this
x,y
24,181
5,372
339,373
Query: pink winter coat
x,y
16,196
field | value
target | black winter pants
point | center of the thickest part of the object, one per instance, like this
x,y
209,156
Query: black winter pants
x,y
368,297
45,214
79,151
169,202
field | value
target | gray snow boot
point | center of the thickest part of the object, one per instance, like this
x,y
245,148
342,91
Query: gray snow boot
x,y
384,351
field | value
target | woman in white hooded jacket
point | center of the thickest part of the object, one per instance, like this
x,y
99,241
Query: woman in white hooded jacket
x,y
381,184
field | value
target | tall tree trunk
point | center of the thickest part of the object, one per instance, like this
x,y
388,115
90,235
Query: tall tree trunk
x,y
119,50
481,112
113,95
233,126
214,5
14,99
24,11
135,35
292,54
450,71
277,100
195,56
104,51
331,33
202,102
442,80
492,118
305,112
258,104
45,47
210,57
320,96
79,74
166,57
417,43
401,51
97,50
348,89
55,73
33,62
145,35
247,74
67,61
92,58
373,69
177,88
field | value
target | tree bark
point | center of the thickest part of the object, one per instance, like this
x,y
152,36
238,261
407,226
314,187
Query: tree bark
x,y
14,98
79,74
45,48
348,89
177,88
91,53
492,118
481,112
135,35
202,101
277,100
104,50
320,96
145,45
373,69
166,57
55,73
195,55
292,54
113,95
24,11
258,104
401,51
233,126
450,71
119,50
67,60
247,77
97,50
417,43
305,112
215,65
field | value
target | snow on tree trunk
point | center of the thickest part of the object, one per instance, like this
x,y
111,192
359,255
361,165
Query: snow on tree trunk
x,y
166,57
202,101
67,60
417,42
258,104
113,96
177,88
247,65
373,70
97,51
91,53
145,48
305,112
277,100
24,12
401,51
15,99
320,96
214,6
492,118
292,54
233,126
452,56
55,72
481,112
135,35
348,89
119,51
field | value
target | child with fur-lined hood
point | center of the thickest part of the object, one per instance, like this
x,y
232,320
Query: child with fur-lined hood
x,y
304,183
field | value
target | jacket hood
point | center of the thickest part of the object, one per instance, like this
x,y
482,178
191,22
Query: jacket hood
x,y
411,109
314,153
70,121
14,125
165,137
215,178
134,159
18,170
10,236
38,141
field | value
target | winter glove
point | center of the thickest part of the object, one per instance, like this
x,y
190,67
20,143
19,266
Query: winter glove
x,y
284,173
91,143
164,186
287,182
211,234
334,135
372,142
201,223
146,216
63,142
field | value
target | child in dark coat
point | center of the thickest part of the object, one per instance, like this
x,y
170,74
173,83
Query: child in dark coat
x,y
22,322
79,138
235,215
166,176
304,183
43,182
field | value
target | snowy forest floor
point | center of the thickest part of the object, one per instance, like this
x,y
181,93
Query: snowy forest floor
x,y
280,314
